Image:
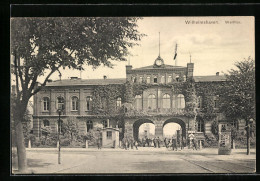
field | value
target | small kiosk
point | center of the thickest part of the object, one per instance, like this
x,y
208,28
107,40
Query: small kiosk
x,y
110,137
224,144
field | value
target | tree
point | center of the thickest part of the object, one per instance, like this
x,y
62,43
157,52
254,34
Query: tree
x,y
41,46
238,95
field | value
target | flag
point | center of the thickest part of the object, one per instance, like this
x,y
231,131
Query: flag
x,y
175,55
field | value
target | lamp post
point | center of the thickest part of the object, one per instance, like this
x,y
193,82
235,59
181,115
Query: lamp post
x,y
59,130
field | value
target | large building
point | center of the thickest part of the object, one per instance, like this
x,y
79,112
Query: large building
x,y
158,94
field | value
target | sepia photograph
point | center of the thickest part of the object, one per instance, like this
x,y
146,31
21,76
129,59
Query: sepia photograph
x,y
132,95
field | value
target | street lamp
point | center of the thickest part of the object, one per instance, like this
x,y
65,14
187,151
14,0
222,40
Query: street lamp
x,y
59,130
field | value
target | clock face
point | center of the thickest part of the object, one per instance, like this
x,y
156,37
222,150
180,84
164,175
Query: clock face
x,y
158,62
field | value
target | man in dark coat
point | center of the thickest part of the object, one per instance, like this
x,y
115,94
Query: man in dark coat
x,y
165,142
158,142
174,144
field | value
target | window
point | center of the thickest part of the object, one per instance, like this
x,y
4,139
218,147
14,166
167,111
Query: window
x,y
166,101
184,78
104,123
138,102
89,103
169,79
89,125
46,103
155,79
177,78
180,101
148,80
163,79
151,102
200,125
215,99
46,123
134,79
75,103
60,103
118,102
109,135
199,102
140,79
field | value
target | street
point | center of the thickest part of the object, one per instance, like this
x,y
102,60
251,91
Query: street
x,y
144,160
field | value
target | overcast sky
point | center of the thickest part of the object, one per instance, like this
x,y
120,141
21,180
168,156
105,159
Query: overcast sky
x,y
213,47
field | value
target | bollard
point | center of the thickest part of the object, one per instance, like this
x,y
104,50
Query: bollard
x,y
86,144
29,144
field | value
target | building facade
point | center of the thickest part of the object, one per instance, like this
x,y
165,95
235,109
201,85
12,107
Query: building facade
x,y
158,94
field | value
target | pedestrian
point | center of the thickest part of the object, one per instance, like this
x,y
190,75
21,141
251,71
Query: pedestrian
x,y
194,141
136,144
99,143
147,142
143,142
131,143
165,142
154,142
127,143
158,141
174,146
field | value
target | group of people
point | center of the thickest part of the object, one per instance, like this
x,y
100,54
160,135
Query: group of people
x,y
174,143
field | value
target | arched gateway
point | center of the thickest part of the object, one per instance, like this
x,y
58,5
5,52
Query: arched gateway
x,y
178,121
136,126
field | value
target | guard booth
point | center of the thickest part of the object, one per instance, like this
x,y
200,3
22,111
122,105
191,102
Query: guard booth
x,y
110,137
224,141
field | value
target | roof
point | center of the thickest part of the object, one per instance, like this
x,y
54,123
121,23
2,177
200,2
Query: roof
x,y
71,82
163,67
210,78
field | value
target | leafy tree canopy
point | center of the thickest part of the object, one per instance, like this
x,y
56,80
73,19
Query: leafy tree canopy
x,y
40,44
238,96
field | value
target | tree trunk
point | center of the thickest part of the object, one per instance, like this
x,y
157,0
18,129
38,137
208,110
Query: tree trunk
x,y
248,137
21,151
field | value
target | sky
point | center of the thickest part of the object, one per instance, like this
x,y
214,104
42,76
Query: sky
x,y
213,47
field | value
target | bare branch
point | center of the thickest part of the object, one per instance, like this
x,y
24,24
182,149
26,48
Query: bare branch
x,y
45,81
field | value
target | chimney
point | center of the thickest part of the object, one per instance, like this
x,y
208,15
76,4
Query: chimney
x,y
190,68
217,73
105,77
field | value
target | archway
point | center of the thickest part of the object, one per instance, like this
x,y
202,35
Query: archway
x,y
171,127
147,127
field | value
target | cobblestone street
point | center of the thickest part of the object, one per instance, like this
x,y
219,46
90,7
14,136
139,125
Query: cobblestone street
x,y
144,160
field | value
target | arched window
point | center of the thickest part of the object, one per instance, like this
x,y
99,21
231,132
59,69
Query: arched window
x,y
155,79
151,102
46,123
180,101
138,102
46,104
169,79
104,122
118,103
166,101
163,79
177,78
140,79
89,103
74,103
184,78
148,80
200,125
89,125
60,103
